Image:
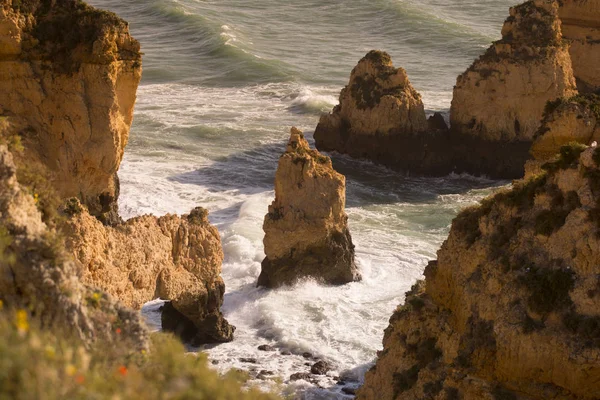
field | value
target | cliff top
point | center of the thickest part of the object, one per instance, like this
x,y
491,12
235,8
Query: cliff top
x,y
92,35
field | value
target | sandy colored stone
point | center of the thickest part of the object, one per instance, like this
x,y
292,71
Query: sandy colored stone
x,y
568,120
511,307
581,27
306,229
68,80
378,100
37,274
502,96
173,258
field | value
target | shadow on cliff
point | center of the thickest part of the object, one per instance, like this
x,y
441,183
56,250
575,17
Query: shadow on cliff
x,y
253,171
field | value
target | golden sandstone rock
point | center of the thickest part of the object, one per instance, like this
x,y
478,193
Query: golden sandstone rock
x,y
68,80
306,229
502,96
581,27
37,274
511,308
171,257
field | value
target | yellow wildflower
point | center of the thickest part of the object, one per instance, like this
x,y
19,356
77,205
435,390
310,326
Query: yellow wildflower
x,y
1,305
36,198
22,322
50,352
70,370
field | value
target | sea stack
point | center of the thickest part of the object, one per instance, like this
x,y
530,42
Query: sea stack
x,y
501,97
306,229
511,307
378,102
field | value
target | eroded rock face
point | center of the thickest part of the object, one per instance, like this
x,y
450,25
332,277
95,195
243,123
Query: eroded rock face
x,y
379,100
173,258
575,119
502,96
68,80
37,274
511,308
581,27
306,229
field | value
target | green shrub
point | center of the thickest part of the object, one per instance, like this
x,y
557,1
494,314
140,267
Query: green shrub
x,y
36,363
548,288
567,158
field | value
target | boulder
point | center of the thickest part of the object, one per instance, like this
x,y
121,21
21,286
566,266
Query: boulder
x,y
306,228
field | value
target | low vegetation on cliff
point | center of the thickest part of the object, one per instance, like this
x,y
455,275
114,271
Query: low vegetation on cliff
x,y
39,364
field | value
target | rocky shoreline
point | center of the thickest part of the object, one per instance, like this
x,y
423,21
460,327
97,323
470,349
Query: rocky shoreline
x,y
509,310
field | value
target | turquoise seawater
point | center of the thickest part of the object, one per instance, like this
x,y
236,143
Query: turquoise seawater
x,y
223,83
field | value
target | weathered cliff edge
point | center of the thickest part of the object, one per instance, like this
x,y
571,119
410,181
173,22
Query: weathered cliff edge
x,y
581,27
37,274
496,108
306,229
171,257
502,96
68,80
575,119
511,308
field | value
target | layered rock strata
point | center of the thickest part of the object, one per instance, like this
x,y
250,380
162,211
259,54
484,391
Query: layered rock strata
x,y
511,308
68,80
581,27
38,275
306,229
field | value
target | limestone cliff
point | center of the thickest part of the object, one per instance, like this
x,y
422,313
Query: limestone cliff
x,y
68,80
575,119
502,96
37,274
581,27
173,258
511,308
306,229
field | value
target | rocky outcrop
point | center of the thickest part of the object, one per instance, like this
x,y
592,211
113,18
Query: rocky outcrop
x,y
501,97
511,308
68,80
581,27
306,229
576,119
37,274
378,100
173,258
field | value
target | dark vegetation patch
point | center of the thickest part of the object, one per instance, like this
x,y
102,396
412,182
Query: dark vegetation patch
x,y
522,195
431,389
593,177
501,393
548,288
549,221
405,380
531,325
452,393
62,27
568,158
367,92
589,101
480,337
586,328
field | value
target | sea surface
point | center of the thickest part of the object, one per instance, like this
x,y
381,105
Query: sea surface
x,y
223,82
